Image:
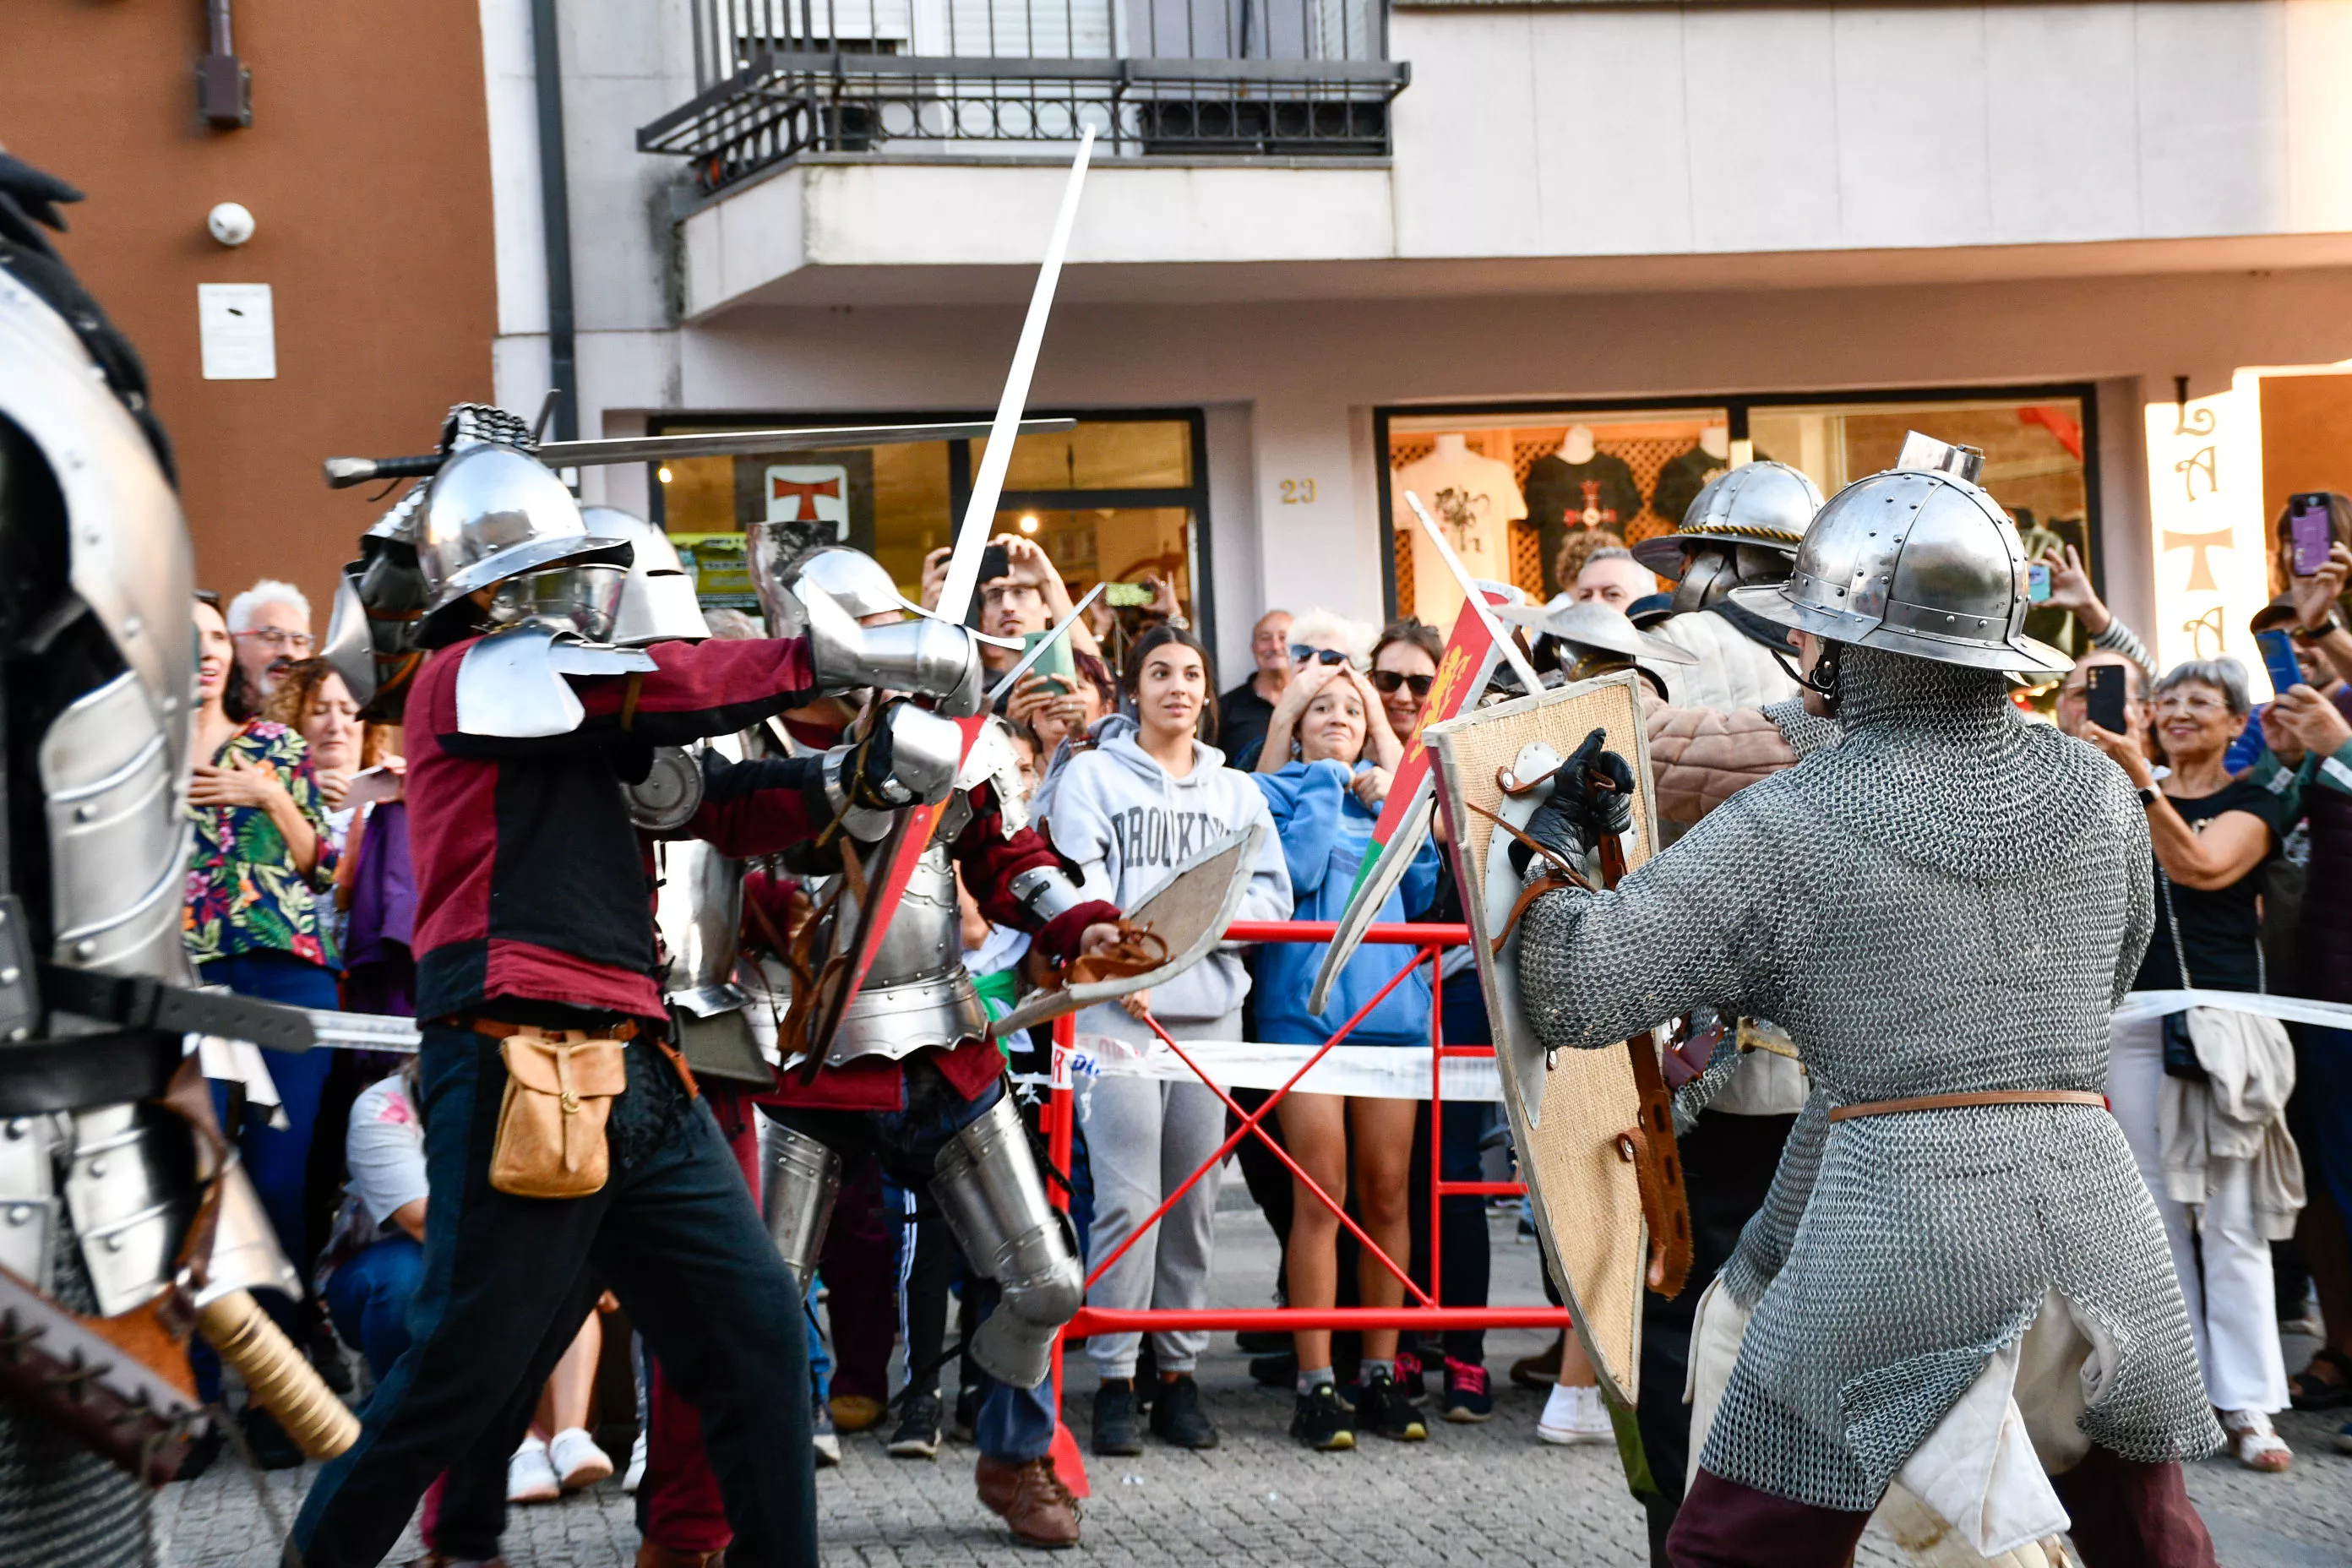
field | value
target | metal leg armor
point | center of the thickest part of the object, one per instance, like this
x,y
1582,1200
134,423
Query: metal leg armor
x,y
799,1180
993,1198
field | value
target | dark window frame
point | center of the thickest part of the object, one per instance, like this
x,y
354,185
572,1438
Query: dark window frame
x,y
1736,409
1194,498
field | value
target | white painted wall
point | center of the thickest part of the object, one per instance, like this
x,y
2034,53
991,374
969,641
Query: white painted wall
x,y
1772,198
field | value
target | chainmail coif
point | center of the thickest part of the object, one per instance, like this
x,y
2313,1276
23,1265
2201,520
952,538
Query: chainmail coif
x,y
1947,899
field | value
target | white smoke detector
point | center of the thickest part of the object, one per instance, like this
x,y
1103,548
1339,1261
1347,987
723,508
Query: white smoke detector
x,y
231,223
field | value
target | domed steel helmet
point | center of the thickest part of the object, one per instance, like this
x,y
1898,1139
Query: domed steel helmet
x,y
850,578
657,601
494,514
1753,516
1917,559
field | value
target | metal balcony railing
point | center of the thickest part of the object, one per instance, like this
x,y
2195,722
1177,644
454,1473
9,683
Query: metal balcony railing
x,y
776,78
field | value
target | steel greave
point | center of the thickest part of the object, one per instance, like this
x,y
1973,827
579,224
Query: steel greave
x,y
800,1179
993,1196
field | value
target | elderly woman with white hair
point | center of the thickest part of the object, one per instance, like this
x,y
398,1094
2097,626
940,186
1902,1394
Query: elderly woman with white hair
x,y
1323,646
2214,834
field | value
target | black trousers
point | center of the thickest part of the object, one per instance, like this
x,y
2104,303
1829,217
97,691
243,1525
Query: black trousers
x,y
675,1232
1727,1165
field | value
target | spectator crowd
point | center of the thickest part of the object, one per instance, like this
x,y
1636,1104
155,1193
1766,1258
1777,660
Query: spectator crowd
x,y
298,890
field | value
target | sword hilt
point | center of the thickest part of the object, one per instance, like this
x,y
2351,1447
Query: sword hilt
x,y
276,1376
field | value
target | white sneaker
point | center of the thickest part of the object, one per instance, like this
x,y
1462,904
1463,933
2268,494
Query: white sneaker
x,y
1575,1416
637,1472
531,1475
578,1460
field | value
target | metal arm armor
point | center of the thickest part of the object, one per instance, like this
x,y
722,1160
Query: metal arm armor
x,y
923,657
1046,892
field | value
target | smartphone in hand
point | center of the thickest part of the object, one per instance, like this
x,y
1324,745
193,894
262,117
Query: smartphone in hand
x,y
2104,686
2278,658
2309,532
2037,582
1056,663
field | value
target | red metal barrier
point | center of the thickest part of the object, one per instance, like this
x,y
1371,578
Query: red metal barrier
x,y
1059,1116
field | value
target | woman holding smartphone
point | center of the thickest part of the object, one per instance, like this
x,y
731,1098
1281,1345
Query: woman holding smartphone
x,y
2213,833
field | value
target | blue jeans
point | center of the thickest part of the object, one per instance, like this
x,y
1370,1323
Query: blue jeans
x,y
369,1296
506,1280
1014,1425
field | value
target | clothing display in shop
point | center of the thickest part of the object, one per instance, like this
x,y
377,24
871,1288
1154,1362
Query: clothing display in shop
x,y
1681,480
1563,496
1474,500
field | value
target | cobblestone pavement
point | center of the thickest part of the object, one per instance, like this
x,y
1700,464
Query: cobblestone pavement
x,y
1486,1494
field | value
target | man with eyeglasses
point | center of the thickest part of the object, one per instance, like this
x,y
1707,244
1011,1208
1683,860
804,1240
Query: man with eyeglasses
x,y
271,625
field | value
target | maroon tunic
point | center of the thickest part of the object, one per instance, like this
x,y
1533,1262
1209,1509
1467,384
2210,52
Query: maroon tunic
x,y
530,880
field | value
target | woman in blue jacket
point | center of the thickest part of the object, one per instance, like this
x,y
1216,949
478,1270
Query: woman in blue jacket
x,y
1324,803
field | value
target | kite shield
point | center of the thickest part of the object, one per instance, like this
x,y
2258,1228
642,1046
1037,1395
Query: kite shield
x,y
1189,912
1568,1114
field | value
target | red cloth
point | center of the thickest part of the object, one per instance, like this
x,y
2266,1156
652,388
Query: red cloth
x,y
682,1508
2127,1514
530,880
1724,1524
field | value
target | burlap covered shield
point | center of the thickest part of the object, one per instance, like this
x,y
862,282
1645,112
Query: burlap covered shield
x,y
1189,912
1567,1115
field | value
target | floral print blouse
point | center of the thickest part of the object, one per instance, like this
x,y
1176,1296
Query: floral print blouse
x,y
244,893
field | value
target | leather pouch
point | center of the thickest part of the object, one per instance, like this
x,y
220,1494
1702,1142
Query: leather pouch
x,y
559,1095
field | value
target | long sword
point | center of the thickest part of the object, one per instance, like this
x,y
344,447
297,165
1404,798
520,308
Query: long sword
x,y
988,485
1472,596
996,693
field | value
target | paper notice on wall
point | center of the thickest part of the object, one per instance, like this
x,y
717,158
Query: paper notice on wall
x,y
2205,510
237,330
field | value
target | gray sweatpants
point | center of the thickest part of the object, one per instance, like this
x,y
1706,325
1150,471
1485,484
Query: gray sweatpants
x,y
1144,1136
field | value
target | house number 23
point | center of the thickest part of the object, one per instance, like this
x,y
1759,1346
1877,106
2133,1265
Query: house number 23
x,y
1298,492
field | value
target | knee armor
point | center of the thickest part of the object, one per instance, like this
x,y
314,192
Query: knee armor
x,y
994,1199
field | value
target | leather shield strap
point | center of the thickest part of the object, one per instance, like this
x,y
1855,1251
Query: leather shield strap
x,y
1981,1097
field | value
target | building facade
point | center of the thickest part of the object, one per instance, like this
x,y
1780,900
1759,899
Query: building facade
x,y
364,301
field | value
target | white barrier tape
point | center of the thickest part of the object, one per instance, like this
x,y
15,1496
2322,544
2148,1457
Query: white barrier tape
x,y
1365,1072
2293,1009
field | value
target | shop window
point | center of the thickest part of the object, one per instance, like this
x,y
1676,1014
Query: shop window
x,y
1526,492
1121,497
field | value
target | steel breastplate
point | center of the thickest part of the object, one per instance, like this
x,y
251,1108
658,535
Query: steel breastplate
x,y
917,992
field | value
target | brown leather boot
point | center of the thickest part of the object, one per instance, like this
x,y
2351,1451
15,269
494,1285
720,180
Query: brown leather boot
x,y
1030,1499
652,1556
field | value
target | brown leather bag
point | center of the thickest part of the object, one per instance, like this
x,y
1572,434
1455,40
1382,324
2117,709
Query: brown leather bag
x,y
560,1090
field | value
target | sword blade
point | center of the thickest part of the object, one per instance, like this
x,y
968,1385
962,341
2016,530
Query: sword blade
x,y
1472,598
996,692
988,485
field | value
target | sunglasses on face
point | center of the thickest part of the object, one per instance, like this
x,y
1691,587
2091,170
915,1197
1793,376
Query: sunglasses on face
x,y
1300,653
1387,681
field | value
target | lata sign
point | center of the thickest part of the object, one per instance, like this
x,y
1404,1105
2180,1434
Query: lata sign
x,y
2205,515
808,492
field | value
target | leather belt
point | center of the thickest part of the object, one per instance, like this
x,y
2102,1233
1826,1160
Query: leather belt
x,y
1981,1097
499,1030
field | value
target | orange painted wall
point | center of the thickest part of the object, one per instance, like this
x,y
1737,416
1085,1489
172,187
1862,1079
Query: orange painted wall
x,y
2306,441
367,169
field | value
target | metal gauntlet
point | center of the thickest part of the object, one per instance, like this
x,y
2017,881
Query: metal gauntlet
x,y
994,1199
922,657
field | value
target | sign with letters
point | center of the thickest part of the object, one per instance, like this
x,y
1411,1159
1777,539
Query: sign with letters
x,y
2208,536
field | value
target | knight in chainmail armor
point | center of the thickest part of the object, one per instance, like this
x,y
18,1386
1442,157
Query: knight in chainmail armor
x,y
1948,901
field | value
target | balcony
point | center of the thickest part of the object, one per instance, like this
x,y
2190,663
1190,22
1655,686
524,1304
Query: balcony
x,y
1194,79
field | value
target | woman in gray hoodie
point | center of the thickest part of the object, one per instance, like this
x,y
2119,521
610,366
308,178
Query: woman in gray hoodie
x,y
1149,796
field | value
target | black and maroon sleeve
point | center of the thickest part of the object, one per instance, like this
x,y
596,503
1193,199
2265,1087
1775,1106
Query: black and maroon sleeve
x,y
760,807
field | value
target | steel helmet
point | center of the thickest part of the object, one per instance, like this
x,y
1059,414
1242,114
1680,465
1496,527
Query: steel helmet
x,y
1917,559
852,579
1594,628
657,600
1747,523
492,513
